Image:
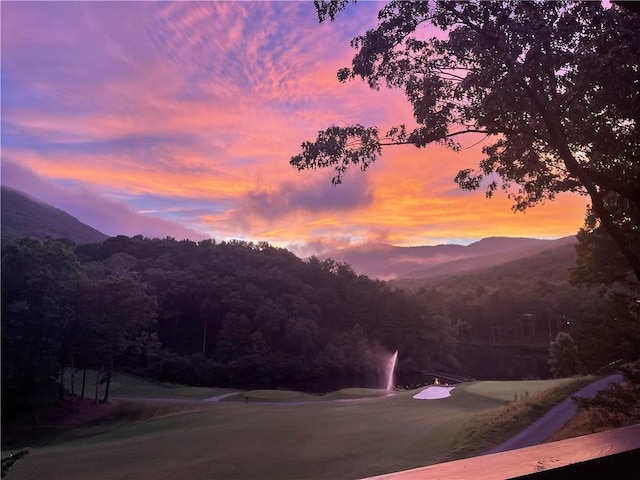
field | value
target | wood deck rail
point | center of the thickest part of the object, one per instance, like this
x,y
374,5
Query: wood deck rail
x,y
614,454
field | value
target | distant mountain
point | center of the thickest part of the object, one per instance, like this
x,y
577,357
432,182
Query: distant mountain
x,y
549,266
23,216
387,262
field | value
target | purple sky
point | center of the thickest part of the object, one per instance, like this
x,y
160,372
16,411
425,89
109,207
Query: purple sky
x,y
179,119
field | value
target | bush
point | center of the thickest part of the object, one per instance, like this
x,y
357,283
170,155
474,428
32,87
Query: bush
x,y
564,356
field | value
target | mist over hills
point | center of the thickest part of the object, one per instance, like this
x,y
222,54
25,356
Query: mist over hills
x,y
387,262
23,216
548,267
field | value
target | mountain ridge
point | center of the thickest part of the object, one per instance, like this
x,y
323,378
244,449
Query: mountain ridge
x,y
24,216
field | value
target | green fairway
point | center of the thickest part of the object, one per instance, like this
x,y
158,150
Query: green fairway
x,y
355,393
273,396
313,439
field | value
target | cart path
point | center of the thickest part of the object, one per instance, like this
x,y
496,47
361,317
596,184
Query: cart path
x,y
555,418
218,398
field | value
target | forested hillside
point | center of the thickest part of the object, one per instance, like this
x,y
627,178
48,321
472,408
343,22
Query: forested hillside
x,y
230,314
506,316
23,216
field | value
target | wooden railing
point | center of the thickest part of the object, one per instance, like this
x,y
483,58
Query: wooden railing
x,y
614,454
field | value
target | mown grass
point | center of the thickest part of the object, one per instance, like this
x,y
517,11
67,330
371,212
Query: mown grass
x,y
90,420
273,396
268,439
513,391
354,393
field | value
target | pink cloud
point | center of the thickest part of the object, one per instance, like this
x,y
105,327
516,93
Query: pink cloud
x,y
208,101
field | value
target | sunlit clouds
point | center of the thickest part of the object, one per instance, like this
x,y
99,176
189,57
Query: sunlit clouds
x,y
179,119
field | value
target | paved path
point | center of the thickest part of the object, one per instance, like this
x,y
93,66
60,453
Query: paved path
x,y
554,419
217,398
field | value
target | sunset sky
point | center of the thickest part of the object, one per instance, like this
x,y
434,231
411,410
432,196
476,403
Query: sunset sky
x,y
179,119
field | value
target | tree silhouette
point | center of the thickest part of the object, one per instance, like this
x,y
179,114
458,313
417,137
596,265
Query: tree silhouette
x,y
553,86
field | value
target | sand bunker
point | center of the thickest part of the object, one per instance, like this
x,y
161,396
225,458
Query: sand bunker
x,y
433,393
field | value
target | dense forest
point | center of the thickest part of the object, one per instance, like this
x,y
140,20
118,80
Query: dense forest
x,y
241,314
233,313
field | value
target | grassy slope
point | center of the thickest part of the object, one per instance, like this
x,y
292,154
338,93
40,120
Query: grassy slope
x,y
306,440
128,386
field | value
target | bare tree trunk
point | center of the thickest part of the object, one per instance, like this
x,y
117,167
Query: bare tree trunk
x,y
61,382
84,381
106,390
73,385
98,375
204,336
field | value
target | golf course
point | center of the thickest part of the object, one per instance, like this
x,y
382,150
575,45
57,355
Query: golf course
x,y
160,431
